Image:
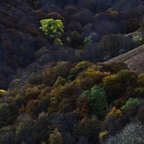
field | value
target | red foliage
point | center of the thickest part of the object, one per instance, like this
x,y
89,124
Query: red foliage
x,y
82,107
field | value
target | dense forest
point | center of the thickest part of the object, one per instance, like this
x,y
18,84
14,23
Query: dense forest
x,y
55,84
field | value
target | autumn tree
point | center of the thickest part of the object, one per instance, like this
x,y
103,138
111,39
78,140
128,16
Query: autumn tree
x,y
56,137
52,27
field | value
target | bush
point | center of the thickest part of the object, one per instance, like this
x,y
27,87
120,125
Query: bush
x,y
97,98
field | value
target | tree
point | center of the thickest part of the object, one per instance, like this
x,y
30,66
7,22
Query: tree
x,y
45,126
52,27
27,131
7,135
87,40
133,133
58,42
56,137
130,104
5,117
97,98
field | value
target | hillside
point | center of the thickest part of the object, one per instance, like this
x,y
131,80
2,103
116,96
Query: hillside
x,y
133,58
71,72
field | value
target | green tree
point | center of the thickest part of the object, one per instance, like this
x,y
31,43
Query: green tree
x,y
52,27
97,97
87,40
130,104
56,137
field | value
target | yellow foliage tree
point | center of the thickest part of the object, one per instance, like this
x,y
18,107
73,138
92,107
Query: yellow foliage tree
x,y
103,136
115,112
56,137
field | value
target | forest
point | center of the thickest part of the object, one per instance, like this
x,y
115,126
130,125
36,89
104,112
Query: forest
x,y
58,84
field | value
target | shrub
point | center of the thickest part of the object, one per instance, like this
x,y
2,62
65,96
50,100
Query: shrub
x,y
97,98
52,27
130,103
